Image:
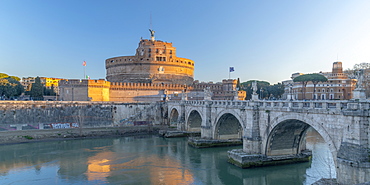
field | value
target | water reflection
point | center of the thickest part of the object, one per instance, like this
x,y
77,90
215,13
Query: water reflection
x,y
143,160
322,164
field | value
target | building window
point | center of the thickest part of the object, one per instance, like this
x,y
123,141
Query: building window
x,y
149,50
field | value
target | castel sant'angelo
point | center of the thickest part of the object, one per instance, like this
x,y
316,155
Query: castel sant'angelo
x,y
154,73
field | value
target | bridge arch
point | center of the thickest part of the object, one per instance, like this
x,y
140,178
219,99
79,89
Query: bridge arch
x,y
194,121
228,126
291,130
174,117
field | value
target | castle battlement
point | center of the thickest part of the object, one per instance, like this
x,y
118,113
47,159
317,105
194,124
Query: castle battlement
x,y
146,86
154,62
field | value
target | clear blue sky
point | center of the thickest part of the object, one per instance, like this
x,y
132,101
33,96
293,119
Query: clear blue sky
x,y
262,40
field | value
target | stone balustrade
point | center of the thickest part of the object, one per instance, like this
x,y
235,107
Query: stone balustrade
x,y
286,104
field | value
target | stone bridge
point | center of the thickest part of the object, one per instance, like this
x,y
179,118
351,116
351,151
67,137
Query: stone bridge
x,y
278,128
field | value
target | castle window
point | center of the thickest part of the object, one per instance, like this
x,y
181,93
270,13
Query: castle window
x,y
170,51
156,51
149,50
164,58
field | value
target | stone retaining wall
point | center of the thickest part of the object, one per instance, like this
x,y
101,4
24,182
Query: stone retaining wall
x,y
24,136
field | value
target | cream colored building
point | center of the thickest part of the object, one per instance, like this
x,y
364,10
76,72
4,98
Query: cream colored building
x,y
338,87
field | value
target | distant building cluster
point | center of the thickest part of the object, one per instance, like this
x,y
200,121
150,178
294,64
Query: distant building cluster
x,y
46,81
338,87
154,73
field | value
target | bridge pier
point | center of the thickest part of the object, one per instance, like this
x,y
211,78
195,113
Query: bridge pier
x,y
353,164
244,160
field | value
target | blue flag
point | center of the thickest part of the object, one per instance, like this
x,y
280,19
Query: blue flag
x,y
232,69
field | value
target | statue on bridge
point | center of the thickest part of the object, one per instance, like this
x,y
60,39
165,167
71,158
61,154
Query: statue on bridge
x,y
360,79
254,90
207,93
359,92
254,87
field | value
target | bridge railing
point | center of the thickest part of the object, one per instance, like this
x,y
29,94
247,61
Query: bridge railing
x,y
296,104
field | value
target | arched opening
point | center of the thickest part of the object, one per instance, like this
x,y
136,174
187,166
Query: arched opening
x,y
286,138
174,117
228,127
292,137
194,121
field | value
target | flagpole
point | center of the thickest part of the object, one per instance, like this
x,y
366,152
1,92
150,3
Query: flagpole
x,y
84,65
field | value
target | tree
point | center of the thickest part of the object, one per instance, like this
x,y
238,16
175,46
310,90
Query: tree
x,y
10,87
15,78
3,75
276,90
37,90
247,86
238,84
49,91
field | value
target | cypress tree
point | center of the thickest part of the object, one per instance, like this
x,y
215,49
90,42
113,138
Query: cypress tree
x,y
37,90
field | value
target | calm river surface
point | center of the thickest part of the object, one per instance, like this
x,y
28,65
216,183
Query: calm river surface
x,y
146,160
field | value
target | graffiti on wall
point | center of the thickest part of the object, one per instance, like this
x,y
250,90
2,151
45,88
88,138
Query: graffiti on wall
x,y
64,125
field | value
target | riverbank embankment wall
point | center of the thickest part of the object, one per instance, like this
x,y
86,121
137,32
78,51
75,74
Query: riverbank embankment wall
x,y
28,115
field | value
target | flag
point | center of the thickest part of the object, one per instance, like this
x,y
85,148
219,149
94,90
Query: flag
x,y
232,69
84,63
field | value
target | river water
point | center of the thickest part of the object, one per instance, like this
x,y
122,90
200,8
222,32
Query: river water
x,y
147,160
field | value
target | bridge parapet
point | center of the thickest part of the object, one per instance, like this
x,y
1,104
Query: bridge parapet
x,y
285,104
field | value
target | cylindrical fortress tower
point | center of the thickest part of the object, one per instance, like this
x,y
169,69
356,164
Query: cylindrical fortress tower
x,y
154,62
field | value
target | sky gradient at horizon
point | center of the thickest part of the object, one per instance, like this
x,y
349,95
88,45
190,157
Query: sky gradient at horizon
x,y
263,40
